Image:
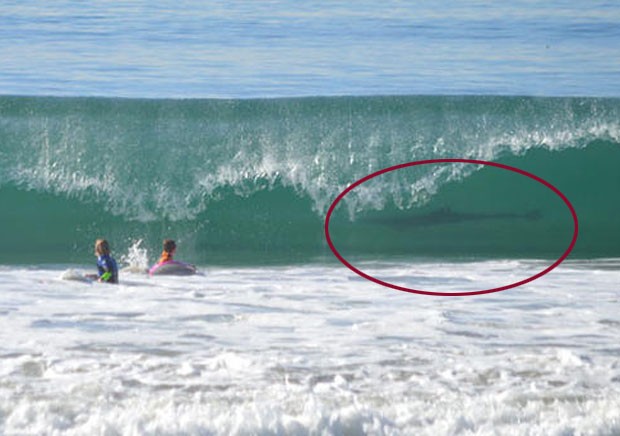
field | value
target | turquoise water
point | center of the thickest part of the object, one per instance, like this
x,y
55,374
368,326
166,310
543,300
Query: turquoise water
x,y
231,126
251,180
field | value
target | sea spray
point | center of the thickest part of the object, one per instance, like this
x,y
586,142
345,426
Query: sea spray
x,y
136,259
250,180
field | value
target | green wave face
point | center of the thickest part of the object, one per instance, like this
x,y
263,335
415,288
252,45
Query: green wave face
x,y
250,181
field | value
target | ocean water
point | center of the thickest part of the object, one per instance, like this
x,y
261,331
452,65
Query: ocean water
x,y
232,127
311,350
241,49
239,181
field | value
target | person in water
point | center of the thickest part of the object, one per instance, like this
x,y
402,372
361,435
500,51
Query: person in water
x,y
169,248
166,264
107,271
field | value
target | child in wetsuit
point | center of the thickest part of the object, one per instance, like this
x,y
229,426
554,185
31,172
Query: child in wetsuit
x,y
106,265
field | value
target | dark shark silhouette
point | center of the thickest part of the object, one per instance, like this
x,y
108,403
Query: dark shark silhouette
x,y
448,216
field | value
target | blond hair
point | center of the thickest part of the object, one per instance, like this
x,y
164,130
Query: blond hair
x,y
102,247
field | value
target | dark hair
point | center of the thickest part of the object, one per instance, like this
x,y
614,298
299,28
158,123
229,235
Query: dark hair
x,y
169,245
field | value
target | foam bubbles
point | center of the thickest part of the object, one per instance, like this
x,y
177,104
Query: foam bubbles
x,y
136,259
309,349
150,161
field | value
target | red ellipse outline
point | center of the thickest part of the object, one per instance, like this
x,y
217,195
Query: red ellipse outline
x,y
452,160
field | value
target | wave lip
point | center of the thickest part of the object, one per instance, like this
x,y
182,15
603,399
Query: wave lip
x,y
253,179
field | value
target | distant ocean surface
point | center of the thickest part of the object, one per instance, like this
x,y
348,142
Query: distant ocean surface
x,y
232,127
243,49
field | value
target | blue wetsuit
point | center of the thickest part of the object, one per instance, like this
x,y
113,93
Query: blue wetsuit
x,y
108,271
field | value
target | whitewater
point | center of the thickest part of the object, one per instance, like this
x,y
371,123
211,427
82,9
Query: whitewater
x,y
231,127
311,350
275,336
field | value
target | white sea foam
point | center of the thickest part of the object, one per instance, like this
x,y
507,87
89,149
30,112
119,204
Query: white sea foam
x,y
56,155
136,260
311,350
